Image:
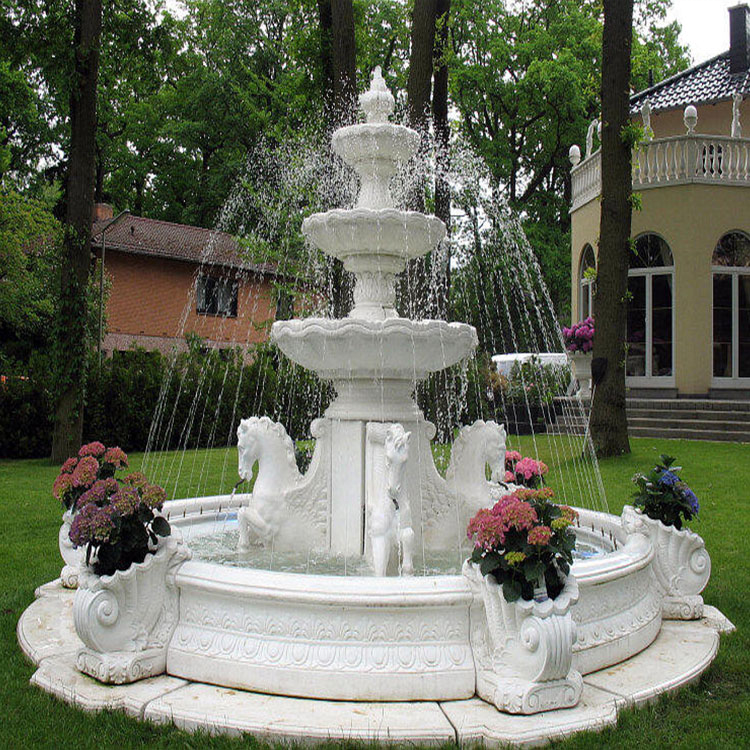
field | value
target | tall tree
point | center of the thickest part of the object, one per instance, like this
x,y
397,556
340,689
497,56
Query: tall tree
x,y
72,344
609,426
344,53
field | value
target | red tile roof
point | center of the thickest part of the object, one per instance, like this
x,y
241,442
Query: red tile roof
x,y
163,239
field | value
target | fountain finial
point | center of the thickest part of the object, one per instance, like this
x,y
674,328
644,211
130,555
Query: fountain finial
x,y
377,103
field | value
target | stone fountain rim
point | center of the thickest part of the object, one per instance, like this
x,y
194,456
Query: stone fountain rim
x,y
382,215
635,553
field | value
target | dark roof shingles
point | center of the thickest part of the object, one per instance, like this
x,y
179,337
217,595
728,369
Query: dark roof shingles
x,y
708,82
136,234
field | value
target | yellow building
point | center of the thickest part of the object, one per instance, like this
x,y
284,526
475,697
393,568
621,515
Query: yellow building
x,y
688,328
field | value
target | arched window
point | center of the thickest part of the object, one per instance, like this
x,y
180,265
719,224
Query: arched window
x,y
731,309
650,310
586,279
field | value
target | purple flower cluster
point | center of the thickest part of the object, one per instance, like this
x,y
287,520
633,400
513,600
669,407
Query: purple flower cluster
x,y
690,497
580,336
92,524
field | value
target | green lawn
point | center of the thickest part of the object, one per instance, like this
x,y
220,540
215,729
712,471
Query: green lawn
x,y
715,713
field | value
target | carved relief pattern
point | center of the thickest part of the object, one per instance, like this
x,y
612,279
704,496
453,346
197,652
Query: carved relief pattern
x,y
346,641
681,564
524,649
72,557
126,620
616,609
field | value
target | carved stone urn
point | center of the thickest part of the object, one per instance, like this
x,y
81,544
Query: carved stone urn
x,y
126,620
581,363
681,564
523,650
72,557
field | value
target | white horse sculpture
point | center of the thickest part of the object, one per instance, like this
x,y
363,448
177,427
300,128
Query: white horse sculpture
x,y
477,446
390,515
283,500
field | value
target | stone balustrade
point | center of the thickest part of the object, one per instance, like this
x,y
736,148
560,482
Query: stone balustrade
x,y
678,160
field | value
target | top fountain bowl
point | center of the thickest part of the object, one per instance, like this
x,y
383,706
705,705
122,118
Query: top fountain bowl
x,y
376,147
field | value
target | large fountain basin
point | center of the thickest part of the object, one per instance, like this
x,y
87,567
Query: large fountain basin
x,y
340,349
372,239
366,638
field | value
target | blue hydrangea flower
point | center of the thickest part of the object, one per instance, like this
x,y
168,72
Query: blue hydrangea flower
x,y
691,499
668,479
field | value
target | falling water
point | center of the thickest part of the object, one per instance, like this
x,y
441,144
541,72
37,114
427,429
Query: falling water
x,y
496,285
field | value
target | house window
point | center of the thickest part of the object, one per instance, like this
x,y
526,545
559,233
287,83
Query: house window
x,y
650,309
215,296
731,309
586,279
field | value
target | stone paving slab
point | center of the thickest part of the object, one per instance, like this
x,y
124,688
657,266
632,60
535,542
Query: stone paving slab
x,y
46,627
680,654
59,676
477,721
277,717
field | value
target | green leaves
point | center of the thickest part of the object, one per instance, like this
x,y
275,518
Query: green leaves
x,y
160,526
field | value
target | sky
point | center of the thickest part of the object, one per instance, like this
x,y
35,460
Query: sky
x,y
705,26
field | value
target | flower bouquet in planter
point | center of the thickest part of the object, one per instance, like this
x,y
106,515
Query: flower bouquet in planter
x,y
579,343
524,471
125,609
661,503
519,572
94,465
118,522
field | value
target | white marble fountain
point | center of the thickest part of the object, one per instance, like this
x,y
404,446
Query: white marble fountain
x,y
373,503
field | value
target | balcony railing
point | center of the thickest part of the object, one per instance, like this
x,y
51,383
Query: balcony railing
x,y
679,160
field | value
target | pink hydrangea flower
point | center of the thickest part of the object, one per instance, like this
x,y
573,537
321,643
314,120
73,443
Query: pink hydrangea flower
x,y
528,468
95,449
539,535
509,477
92,524
99,493
62,485
85,472
154,496
69,465
115,457
136,478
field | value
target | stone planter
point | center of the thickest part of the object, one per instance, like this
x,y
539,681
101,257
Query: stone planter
x,y
523,650
72,557
127,619
581,363
681,564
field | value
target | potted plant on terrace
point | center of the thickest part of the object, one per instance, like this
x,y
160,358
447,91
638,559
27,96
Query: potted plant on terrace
x,y
125,608
519,572
94,466
579,343
682,566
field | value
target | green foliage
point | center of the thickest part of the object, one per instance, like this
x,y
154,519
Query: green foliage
x,y
663,496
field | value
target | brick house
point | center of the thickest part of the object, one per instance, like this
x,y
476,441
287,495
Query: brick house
x,y
168,280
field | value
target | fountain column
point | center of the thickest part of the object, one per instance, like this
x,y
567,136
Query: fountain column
x,y
373,357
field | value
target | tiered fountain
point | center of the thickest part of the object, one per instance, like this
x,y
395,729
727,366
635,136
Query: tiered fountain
x,y
378,620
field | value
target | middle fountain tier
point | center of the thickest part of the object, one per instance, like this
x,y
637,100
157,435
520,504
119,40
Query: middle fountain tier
x,y
373,357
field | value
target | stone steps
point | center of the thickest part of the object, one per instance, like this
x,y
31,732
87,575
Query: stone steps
x,y
683,419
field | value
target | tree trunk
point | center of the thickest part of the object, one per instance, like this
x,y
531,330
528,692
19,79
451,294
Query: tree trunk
x,y
326,54
609,426
72,341
442,164
414,302
344,59
338,55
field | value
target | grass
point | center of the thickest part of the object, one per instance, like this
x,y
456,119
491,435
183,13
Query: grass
x,y
714,713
